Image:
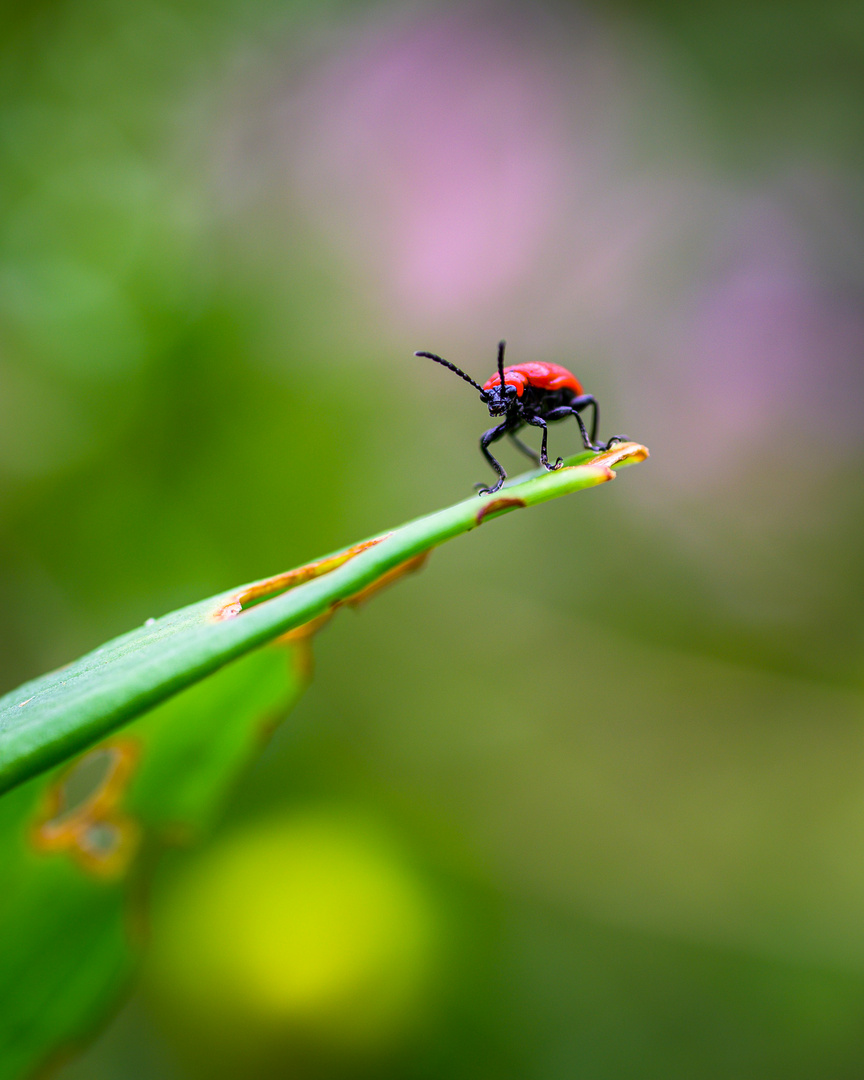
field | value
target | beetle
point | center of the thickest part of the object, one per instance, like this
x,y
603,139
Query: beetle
x,y
534,393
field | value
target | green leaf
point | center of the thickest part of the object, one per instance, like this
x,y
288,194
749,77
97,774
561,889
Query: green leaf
x,y
77,843
48,720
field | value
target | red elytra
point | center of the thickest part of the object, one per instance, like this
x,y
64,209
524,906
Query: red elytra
x,y
535,373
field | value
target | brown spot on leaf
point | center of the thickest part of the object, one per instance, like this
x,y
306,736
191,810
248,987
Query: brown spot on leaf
x,y
390,577
302,635
81,816
494,506
279,583
308,629
620,454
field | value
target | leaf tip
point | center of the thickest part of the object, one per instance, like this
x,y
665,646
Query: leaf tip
x,y
626,453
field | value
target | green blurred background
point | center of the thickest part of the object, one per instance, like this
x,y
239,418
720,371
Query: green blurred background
x,y
585,798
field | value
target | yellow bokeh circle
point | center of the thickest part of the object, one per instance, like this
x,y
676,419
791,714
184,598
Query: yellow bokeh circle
x,y
313,925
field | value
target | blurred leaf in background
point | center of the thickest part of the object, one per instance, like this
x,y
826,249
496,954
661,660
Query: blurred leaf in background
x,y
225,228
78,842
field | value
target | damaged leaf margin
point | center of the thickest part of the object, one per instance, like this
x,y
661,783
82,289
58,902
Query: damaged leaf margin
x,y
46,721
82,814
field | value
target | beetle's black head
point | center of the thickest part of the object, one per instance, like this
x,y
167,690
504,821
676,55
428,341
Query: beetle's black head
x,y
499,398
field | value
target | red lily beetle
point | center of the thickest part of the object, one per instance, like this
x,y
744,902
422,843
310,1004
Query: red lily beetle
x,y
534,393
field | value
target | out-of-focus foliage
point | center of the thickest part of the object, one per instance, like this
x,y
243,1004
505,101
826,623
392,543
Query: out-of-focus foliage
x,y
332,945
225,228
78,842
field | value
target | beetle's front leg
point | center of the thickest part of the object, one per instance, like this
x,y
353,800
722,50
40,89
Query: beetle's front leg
x,y
490,436
538,421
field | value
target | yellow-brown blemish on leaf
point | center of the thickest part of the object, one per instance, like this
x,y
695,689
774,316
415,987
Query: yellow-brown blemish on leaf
x,y
496,505
279,583
304,657
410,566
629,453
81,814
308,629
302,635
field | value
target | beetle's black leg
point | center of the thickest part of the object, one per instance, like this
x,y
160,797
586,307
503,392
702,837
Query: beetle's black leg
x,y
490,436
570,410
589,444
535,457
538,421
582,402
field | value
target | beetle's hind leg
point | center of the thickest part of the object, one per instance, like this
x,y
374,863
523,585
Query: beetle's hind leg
x,y
598,448
581,402
577,404
573,410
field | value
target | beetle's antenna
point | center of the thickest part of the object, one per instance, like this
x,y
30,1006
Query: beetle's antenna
x,y
501,347
452,367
